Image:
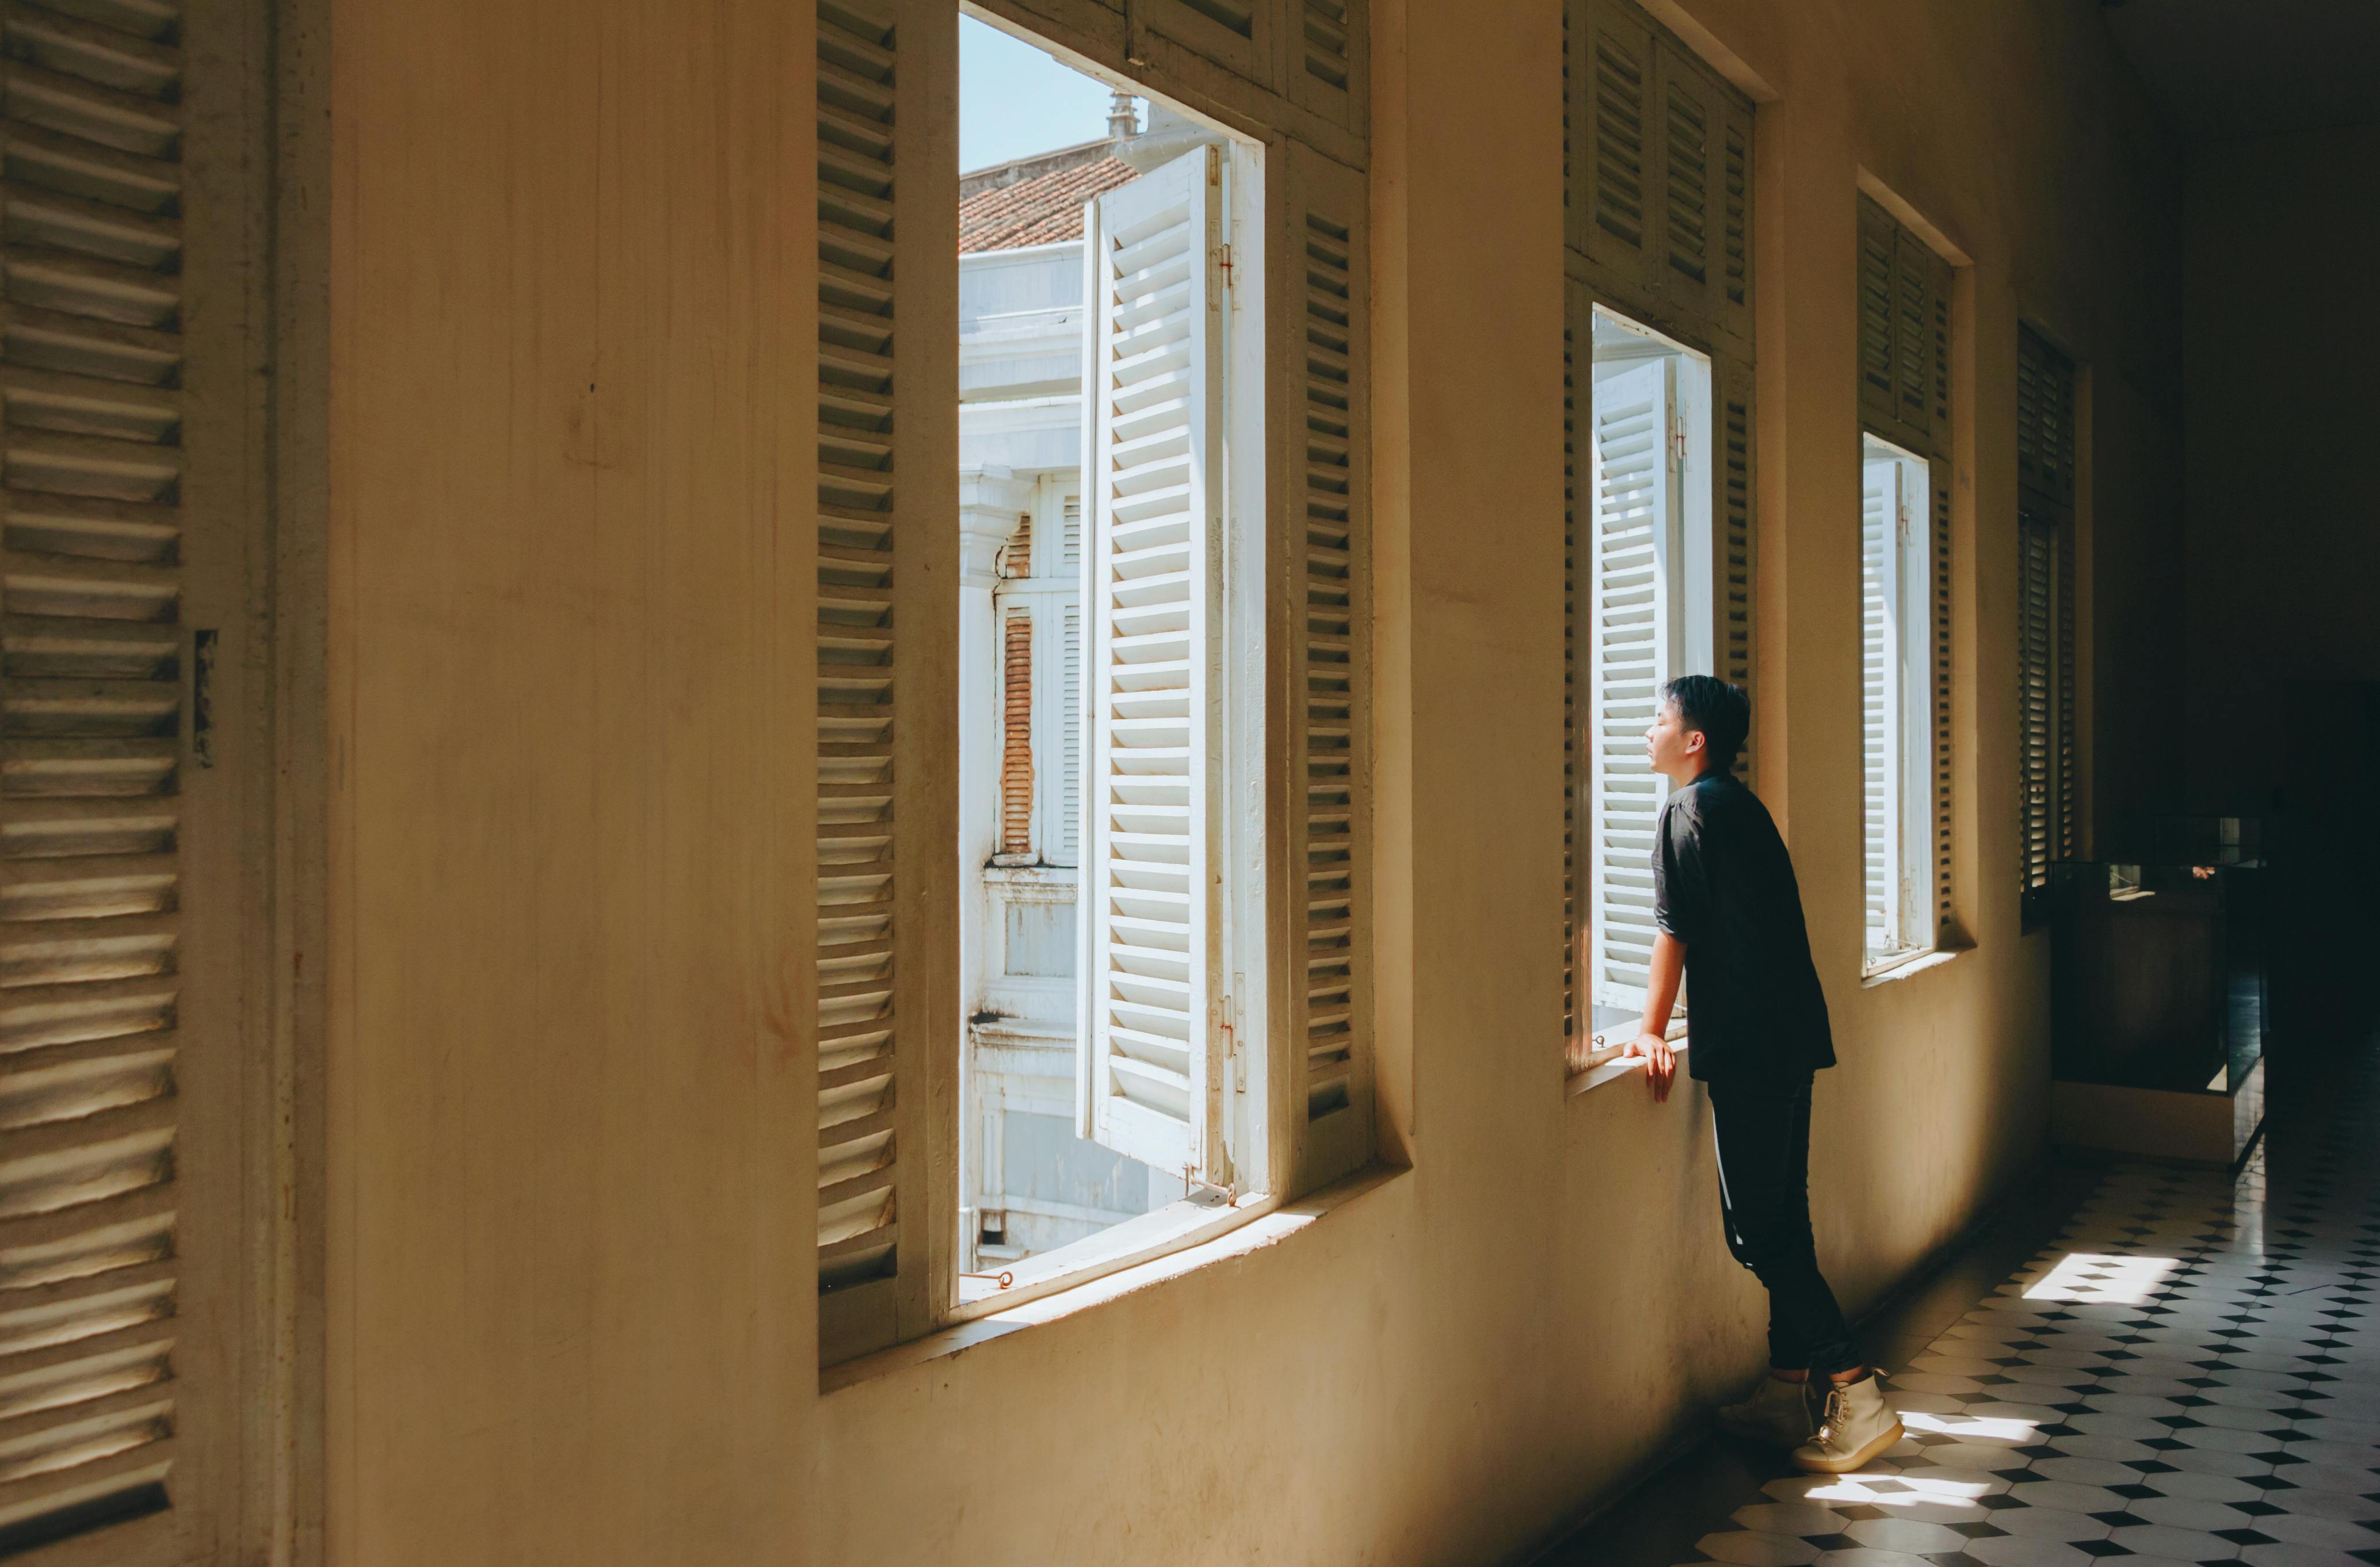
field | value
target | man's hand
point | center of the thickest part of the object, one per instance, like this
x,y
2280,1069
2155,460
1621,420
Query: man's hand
x,y
1660,1063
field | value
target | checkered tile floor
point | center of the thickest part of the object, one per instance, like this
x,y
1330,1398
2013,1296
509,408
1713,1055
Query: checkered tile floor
x,y
2191,1373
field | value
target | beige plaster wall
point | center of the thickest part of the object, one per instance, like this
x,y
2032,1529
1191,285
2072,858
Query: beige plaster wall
x,y
569,1307
569,1313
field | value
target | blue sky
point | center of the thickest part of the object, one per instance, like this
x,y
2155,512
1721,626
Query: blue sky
x,y
1013,99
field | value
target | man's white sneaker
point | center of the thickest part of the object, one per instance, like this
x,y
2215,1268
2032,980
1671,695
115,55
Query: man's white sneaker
x,y
1857,1426
1778,1413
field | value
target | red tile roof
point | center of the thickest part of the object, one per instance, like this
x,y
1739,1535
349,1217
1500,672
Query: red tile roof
x,y
1039,210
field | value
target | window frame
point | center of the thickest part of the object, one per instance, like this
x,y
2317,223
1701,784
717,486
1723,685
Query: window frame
x,y
1906,286
1687,547
1307,709
1688,276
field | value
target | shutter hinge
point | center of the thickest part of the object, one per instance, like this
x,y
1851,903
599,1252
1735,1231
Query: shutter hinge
x,y
1223,259
1901,523
1677,441
1233,1031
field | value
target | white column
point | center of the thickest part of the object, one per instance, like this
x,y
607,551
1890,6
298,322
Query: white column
x,y
992,499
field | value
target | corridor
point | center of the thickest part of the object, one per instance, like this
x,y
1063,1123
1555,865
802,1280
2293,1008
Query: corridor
x,y
2188,1371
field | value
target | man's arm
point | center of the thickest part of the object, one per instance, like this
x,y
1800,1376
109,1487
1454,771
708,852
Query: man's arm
x,y
1669,966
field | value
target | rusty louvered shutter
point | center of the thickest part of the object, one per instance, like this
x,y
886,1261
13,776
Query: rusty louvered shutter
x,y
99,1326
1017,733
1329,984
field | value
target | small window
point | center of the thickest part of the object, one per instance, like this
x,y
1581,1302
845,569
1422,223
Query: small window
x,y
1896,689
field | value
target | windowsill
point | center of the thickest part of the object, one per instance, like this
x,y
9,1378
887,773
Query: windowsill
x,y
1605,1065
1909,964
1209,1233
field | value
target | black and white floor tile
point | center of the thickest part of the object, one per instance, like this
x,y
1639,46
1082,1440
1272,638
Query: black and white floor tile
x,y
2190,1374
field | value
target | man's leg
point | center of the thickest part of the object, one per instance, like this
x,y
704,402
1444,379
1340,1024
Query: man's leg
x,y
1763,1139
1764,1152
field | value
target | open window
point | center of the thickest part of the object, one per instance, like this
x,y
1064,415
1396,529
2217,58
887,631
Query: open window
x,y
1112,641
1650,586
1092,564
1896,695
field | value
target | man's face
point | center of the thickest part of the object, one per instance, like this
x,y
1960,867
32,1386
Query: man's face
x,y
1675,751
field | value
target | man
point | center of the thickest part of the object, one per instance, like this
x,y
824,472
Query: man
x,y
1730,919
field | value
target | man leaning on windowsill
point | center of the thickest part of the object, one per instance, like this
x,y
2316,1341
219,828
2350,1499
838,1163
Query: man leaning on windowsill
x,y
1729,916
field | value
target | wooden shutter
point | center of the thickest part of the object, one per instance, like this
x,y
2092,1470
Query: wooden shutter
x,y
2067,762
1632,581
1938,563
2046,463
2036,700
887,899
1329,837
1734,283
1878,285
1705,193
118,951
1614,157
858,1154
1236,34
1880,730
1577,337
1904,397
1151,1063
1734,545
1904,318
1329,72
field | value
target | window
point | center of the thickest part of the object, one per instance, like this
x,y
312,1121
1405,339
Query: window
x,y
2046,454
1650,593
1904,405
1658,559
1131,998
1896,692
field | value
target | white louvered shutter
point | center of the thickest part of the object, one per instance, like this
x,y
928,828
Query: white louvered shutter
x,y
1153,475
1633,589
1068,839
1880,737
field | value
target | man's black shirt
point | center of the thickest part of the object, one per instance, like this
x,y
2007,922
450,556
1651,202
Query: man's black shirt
x,y
1723,885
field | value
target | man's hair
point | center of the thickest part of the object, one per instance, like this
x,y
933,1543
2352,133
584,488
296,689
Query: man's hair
x,y
1721,711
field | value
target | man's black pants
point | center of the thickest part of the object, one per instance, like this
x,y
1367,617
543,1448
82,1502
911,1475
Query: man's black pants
x,y
1763,1132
